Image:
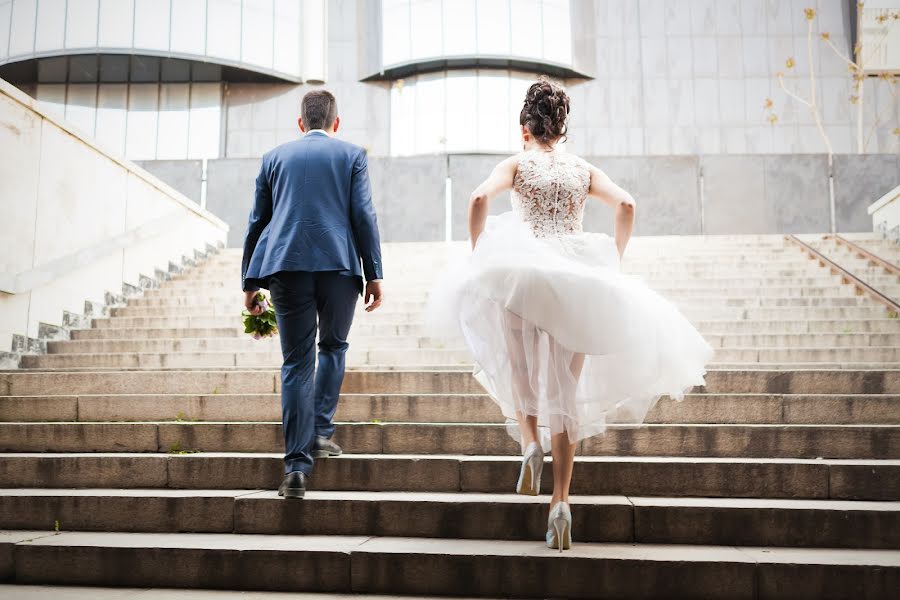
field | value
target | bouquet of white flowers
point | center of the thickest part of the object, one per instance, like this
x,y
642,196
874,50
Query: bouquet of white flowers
x,y
264,324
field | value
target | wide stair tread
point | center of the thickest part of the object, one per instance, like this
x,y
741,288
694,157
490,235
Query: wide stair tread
x,y
442,566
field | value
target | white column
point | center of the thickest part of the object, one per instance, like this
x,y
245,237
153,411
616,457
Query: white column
x,y
315,38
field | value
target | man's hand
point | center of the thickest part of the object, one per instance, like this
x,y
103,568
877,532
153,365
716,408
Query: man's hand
x,y
250,303
373,293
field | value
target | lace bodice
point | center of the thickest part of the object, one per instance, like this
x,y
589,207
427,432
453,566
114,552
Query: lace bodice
x,y
549,192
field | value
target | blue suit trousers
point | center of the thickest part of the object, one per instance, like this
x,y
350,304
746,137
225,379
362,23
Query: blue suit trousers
x,y
305,301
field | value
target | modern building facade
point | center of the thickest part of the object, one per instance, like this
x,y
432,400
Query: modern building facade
x,y
201,80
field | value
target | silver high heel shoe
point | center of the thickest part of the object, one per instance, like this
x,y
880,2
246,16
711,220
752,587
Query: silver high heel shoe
x,y
532,465
559,527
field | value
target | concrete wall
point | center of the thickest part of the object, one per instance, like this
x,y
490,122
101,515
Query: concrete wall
x,y
77,222
766,194
183,175
230,188
783,193
409,197
859,181
466,171
670,77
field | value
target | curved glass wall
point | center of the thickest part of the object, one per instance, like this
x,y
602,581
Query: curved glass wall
x,y
143,121
266,36
458,111
425,30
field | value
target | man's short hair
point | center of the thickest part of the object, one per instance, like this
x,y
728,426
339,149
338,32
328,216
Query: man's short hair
x,y
318,109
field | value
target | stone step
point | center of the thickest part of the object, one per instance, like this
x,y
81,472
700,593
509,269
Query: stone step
x,y
419,329
271,357
694,314
712,440
780,288
71,592
254,381
454,567
245,343
834,479
883,409
663,279
405,309
230,301
713,521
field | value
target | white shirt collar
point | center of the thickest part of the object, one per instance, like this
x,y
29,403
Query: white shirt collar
x,y
319,131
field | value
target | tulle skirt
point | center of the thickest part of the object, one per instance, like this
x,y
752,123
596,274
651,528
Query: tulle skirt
x,y
557,331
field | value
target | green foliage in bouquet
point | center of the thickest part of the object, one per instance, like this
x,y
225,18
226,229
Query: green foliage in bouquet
x,y
263,324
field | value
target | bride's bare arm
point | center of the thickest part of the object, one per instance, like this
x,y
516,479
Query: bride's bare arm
x,y
500,180
603,188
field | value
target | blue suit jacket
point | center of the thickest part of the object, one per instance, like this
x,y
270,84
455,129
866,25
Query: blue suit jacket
x,y
313,212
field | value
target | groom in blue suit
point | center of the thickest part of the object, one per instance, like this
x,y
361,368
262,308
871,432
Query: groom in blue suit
x,y
311,226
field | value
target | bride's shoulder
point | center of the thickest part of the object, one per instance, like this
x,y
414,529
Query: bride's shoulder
x,y
576,159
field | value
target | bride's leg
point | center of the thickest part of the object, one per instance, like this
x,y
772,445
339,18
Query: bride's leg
x,y
564,450
528,426
520,384
563,464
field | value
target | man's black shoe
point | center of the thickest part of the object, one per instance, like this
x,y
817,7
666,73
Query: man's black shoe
x,y
325,448
294,485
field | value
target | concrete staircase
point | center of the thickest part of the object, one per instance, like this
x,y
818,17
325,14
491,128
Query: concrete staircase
x,y
145,451
877,276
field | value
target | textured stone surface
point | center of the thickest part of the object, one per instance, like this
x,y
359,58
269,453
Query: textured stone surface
x,y
183,175
188,560
165,511
858,182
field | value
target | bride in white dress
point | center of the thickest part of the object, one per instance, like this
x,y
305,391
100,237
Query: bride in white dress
x,y
563,342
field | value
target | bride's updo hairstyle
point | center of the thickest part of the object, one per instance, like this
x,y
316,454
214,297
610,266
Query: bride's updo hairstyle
x,y
545,111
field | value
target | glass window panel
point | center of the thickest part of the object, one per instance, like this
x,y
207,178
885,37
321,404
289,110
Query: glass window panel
x,y
188,31
140,142
493,27
81,107
206,120
144,68
426,37
174,70
493,114
462,90
5,17
525,22
223,29
53,70
116,23
151,24
83,68
172,132
287,42
114,68
81,23
557,31
112,116
429,119
256,33
21,33
403,111
206,72
460,35
52,97
471,111
518,85
51,25
395,31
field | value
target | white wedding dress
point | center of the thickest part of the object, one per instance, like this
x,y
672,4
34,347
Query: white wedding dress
x,y
556,330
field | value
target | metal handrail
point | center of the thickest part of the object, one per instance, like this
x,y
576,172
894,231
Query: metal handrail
x,y
846,276
894,269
